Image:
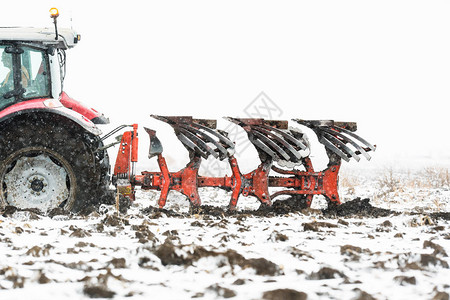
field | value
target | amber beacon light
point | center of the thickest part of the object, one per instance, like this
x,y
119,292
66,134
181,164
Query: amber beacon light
x,y
54,13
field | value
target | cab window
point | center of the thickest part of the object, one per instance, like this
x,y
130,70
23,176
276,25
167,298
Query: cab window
x,y
34,73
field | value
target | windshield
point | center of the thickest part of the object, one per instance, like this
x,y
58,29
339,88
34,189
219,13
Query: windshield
x,y
23,74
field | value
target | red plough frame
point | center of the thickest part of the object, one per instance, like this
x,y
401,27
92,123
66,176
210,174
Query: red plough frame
x,y
256,183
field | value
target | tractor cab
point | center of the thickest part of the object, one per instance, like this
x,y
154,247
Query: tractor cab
x,y
32,63
33,66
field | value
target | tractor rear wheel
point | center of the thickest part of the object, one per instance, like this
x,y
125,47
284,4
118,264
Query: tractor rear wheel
x,y
46,166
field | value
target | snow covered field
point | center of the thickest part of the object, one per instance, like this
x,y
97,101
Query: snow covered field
x,y
396,247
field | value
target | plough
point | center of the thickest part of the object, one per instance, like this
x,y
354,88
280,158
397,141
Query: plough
x,y
283,151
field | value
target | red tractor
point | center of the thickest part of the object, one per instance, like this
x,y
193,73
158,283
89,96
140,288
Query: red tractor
x,y
51,153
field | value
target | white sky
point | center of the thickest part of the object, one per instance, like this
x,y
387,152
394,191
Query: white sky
x,y
383,64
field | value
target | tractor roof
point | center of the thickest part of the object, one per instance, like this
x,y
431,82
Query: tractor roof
x,y
68,38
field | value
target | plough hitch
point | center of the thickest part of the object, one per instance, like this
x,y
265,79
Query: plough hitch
x,y
275,142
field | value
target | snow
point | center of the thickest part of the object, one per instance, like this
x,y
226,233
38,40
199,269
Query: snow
x,y
397,256
332,60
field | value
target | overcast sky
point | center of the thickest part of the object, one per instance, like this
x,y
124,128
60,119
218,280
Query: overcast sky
x,y
383,64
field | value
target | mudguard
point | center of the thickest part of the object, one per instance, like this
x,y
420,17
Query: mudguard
x,y
50,106
90,113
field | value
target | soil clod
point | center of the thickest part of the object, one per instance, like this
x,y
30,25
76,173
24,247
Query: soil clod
x,y
284,294
357,207
326,273
98,291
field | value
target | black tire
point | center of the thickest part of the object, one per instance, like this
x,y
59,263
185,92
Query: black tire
x,y
100,187
62,148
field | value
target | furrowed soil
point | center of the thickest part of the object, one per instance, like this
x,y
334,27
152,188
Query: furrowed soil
x,y
366,248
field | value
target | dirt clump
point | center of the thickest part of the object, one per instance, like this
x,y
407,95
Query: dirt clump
x,y
310,227
98,291
223,223
438,228
118,263
405,280
349,249
37,251
239,281
342,222
168,255
156,213
430,259
79,232
279,207
441,215
263,266
284,294
143,234
42,279
326,273
171,254
83,244
438,249
362,295
222,291
17,280
146,263
196,224
292,204
87,210
210,210
386,223
278,237
314,226
441,296
357,207
170,233
8,211
352,252
295,252
58,211
115,221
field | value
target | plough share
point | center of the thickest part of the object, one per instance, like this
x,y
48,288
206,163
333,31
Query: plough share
x,y
275,142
